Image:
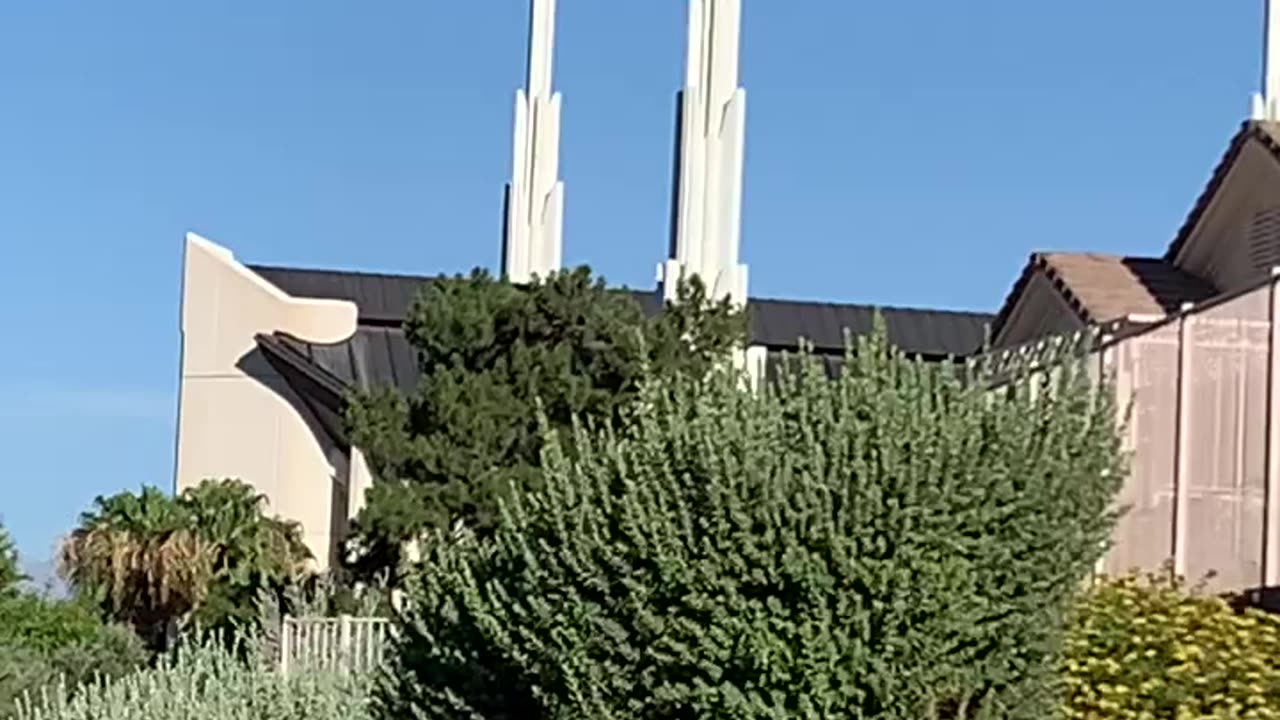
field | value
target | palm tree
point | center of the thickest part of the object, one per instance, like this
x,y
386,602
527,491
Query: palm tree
x,y
161,563
254,552
230,514
142,559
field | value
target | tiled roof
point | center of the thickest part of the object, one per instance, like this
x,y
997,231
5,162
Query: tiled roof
x,y
1267,133
1101,287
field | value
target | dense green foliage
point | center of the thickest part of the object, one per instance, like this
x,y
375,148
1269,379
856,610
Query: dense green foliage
x,y
211,682
70,648
490,355
251,551
1149,647
159,563
10,571
894,544
45,640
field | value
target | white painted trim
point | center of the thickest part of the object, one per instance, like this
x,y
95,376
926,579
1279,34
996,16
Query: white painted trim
x,y
1143,318
756,357
1184,445
1271,512
359,481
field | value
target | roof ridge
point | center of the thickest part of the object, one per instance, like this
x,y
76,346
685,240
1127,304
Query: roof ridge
x,y
256,267
1093,303
872,306
1088,253
1267,133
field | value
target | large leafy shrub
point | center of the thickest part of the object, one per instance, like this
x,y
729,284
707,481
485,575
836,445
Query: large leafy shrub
x,y
489,352
1147,646
896,543
211,681
46,640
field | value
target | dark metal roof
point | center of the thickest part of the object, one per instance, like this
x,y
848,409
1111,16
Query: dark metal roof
x,y
780,324
385,299
379,354
373,356
381,298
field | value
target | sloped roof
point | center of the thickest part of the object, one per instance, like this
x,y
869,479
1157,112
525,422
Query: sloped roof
x,y
1101,287
381,298
779,324
379,353
384,300
1266,133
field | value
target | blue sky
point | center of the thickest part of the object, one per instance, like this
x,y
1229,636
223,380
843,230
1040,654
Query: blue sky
x,y
898,153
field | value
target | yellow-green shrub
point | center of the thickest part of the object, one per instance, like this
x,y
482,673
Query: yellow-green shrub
x,y
1150,647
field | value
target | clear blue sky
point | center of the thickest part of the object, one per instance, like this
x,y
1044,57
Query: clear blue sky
x,y
898,153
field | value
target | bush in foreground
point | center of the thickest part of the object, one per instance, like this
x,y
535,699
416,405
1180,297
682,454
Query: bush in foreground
x,y
1149,647
209,682
55,643
44,640
489,355
893,544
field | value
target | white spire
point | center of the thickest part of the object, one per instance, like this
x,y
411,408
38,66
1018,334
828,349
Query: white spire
x,y
1266,104
535,196
708,209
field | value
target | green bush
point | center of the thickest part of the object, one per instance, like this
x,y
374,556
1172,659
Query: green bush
x,y
489,355
44,624
213,681
11,575
1149,647
45,640
112,653
893,544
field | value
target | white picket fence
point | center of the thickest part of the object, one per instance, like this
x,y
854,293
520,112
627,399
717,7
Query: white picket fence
x,y
345,643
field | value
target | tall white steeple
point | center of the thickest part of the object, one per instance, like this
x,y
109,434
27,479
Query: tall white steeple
x,y
535,196
1266,104
707,217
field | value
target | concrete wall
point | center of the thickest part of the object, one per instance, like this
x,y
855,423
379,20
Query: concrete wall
x,y
237,418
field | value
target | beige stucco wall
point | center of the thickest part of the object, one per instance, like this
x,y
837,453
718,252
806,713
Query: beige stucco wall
x,y
237,417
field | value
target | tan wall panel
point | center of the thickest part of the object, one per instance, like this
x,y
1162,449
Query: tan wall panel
x,y
238,418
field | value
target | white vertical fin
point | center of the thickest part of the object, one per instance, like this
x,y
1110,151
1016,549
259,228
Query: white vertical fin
x,y
1266,104
708,213
535,195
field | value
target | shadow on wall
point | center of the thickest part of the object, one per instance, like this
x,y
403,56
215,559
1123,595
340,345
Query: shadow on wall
x,y
326,428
